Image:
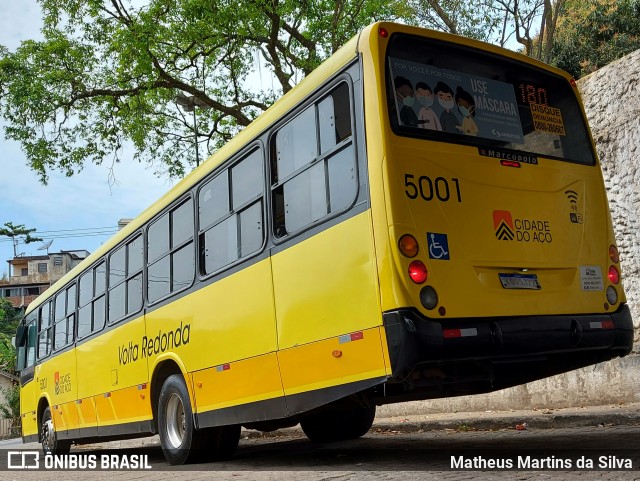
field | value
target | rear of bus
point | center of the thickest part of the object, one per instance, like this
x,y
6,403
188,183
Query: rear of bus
x,y
496,254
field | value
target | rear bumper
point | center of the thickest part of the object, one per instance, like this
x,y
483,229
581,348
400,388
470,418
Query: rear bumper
x,y
503,351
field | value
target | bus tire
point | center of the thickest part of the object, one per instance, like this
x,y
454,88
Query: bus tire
x,y
180,441
48,437
338,425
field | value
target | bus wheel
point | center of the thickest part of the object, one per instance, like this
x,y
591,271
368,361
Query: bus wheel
x,y
338,425
48,437
179,439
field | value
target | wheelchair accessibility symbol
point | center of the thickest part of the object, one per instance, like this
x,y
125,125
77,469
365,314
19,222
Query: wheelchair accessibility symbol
x,y
438,246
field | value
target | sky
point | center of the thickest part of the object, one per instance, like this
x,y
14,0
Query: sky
x,y
69,210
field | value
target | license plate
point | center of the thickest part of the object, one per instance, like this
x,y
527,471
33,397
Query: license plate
x,y
519,281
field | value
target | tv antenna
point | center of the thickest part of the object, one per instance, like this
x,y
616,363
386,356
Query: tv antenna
x,y
45,246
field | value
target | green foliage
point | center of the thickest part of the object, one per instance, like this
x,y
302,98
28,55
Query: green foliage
x,y
9,317
10,408
18,233
594,33
107,74
478,20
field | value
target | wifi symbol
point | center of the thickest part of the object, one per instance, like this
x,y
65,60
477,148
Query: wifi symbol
x,y
572,196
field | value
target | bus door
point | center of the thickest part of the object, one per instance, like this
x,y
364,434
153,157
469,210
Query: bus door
x,y
26,345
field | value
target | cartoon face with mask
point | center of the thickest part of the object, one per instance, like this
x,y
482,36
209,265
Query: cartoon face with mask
x,y
448,119
445,96
405,101
467,107
427,118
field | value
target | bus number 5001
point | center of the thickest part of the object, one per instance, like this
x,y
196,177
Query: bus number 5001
x,y
427,189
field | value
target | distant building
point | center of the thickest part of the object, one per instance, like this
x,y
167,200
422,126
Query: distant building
x,y
30,276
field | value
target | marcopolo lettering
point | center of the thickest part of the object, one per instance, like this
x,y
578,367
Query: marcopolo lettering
x,y
508,155
153,345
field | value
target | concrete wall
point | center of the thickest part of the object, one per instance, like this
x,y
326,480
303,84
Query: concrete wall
x,y
611,98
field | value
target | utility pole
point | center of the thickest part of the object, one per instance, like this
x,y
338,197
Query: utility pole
x,y
189,104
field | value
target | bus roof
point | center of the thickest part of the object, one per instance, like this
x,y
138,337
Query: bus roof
x,y
342,57
279,109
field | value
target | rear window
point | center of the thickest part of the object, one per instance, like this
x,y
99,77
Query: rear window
x,y
456,94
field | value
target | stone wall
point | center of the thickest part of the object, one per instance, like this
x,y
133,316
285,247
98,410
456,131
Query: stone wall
x,y
611,98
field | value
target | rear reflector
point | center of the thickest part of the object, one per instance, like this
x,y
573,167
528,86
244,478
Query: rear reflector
x,y
453,333
510,163
354,336
601,325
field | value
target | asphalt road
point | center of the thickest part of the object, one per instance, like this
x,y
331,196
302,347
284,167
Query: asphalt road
x,y
389,454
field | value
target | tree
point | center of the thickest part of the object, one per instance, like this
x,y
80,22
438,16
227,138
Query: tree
x,y
594,33
108,73
18,233
479,20
10,409
9,317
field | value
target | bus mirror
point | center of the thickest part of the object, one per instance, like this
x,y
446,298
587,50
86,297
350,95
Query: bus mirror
x,y
20,336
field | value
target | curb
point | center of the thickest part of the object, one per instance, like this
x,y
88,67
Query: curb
x,y
510,422
488,421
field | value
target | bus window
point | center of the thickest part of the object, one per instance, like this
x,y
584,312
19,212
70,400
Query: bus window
x,y
318,179
237,232
91,305
44,331
64,317
449,93
125,280
170,249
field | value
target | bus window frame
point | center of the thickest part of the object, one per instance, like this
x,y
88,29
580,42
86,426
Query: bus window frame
x,y
313,99
66,316
463,140
138,232
183,198
254,146
91,269
48,304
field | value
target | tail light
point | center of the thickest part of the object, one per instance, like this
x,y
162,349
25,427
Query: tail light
x,y
614,275
613,254
408,245
418,272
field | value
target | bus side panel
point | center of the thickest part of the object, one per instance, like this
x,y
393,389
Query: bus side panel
x,y
341,360
251,385
57,378
121,369
326,287
230,320
87,417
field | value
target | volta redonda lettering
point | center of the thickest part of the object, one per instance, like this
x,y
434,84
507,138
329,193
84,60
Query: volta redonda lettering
x,y
150,345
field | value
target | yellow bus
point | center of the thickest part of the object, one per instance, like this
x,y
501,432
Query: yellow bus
x,y
423,216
